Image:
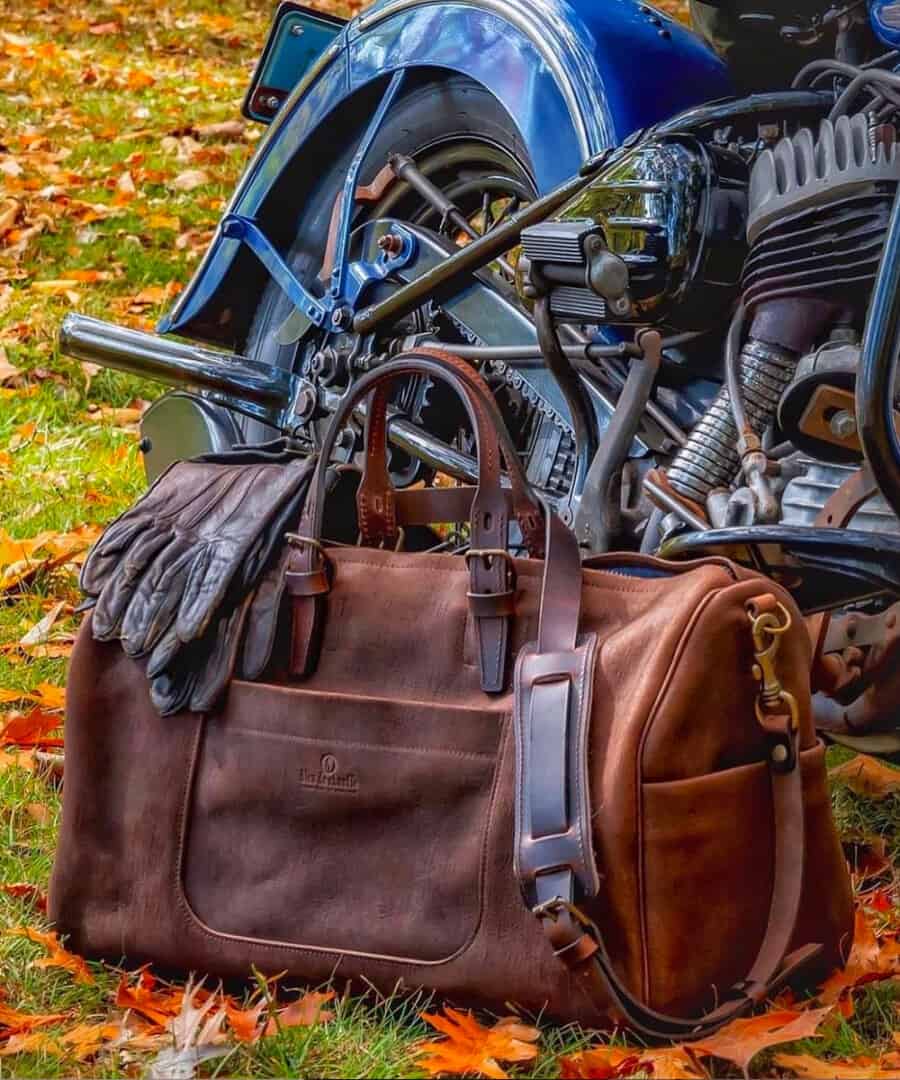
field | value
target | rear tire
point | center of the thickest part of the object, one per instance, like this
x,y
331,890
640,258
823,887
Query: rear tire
x,y
453,128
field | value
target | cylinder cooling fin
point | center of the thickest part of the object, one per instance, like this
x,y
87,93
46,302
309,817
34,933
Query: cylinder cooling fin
x,y
817,215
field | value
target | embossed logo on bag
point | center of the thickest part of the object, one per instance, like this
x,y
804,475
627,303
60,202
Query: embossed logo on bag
x,y
328,777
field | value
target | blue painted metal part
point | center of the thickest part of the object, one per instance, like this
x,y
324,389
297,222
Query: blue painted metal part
x,y
356,278
575,76
348,198
248,232
885,17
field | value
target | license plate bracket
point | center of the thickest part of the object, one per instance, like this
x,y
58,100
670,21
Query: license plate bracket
x,y
297,38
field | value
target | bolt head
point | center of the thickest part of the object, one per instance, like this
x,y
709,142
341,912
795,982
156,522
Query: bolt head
x,y
779,754
843,424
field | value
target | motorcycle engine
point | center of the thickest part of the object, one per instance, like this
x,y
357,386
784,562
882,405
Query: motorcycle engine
x,y
818,209
676,232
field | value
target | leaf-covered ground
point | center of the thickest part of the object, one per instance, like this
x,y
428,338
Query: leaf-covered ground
x,y
119,142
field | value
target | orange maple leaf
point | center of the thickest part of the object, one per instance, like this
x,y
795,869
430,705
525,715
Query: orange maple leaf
x,y
472,1048
741,1040
159,1006
33,728
245,1024
13,1022
58,956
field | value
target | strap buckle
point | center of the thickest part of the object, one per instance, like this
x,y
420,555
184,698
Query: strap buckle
x,y
556,905
489,554
298,541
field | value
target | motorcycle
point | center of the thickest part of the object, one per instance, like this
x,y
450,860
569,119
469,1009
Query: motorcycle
x,y
675,258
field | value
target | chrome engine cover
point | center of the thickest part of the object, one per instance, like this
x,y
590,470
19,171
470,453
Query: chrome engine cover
x,y
674,210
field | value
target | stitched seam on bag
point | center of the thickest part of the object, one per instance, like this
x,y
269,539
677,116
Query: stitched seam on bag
x,y
686,632
353,745
585,700
195,923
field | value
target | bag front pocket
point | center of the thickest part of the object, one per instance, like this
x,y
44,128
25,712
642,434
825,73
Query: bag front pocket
x,y
329,821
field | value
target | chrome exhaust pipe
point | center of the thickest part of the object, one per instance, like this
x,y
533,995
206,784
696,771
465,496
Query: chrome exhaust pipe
x,y
174,362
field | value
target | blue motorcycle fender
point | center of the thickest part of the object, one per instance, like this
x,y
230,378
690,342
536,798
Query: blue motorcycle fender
x,y
576,76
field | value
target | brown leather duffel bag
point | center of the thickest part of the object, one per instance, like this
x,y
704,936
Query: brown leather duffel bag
x,y
625,745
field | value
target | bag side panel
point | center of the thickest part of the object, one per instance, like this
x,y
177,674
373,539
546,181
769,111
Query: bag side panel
x,y
112,884
708,862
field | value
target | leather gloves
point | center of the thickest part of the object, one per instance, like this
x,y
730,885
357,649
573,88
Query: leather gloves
x,y
174,576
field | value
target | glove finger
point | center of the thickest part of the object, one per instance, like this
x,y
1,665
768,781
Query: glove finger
x,y
205,590
262,622
272,538
213,675
105,555
154,601
113,598
165,653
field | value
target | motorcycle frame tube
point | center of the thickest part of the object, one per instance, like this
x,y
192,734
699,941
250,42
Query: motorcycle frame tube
x,y
562,69
876,375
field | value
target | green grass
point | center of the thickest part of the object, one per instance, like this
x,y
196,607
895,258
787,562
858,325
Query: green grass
x,y
60,468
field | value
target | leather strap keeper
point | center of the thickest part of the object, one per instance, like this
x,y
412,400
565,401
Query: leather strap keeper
x,y
488,605
307,582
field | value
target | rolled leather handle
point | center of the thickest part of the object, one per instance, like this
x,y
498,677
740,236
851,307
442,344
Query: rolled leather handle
x,y
491,593
376,498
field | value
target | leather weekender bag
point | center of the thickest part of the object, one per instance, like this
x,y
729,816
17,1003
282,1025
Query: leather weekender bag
x,y
587,788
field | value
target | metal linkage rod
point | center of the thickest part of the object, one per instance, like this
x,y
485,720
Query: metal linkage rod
x,y
876,376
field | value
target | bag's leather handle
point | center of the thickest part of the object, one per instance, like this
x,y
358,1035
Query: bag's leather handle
x,y
553,857
491,587
376,499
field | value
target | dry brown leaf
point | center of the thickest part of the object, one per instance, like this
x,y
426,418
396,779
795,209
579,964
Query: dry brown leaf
x,y
9,211
227,129
49,696
58,956
611,1063
741,1040
472,1048
867,776
805,1065
79,1043
8,372
124,417
21,890
40,813
15,761
189,180
307,1011
39,634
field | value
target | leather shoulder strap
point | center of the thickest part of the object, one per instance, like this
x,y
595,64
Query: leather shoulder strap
x,y
554,858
